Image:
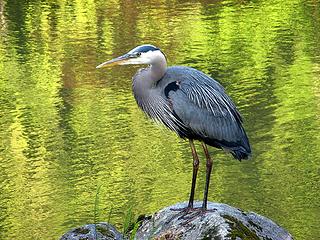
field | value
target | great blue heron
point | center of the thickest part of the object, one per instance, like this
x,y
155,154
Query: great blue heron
x,y
188,102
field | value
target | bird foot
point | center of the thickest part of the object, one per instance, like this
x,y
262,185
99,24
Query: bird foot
x,y
190,213
183,210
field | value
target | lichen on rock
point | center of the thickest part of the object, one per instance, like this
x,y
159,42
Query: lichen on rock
x,y
221,222
101,231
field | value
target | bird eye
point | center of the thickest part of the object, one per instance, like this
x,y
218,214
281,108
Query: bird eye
x,y
138,54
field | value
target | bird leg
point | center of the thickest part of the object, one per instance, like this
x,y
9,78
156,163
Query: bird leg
x,y
194,173
190,213
190,208
208,173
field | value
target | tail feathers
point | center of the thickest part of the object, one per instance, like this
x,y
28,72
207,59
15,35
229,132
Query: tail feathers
x,y
240,153
239,150
243,150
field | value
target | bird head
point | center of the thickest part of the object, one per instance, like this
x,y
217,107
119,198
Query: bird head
x,y
144,54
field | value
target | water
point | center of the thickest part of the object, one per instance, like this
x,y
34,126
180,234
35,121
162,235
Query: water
x,y
67,128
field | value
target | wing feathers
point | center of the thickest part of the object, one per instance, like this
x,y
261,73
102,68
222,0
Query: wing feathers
x,y
207,111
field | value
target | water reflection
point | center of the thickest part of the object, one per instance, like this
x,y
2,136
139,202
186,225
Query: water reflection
x,y
67,128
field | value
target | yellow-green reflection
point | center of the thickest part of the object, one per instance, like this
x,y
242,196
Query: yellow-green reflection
x,y
68,128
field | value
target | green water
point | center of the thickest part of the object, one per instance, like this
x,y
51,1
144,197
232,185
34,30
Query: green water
x,y
67,128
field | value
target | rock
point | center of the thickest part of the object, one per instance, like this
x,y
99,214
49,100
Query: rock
x,y
220,222
101,231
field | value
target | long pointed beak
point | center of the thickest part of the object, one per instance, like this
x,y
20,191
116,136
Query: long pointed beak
x,y
116,61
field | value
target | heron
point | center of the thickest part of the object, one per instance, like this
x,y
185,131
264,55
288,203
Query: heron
x,y
188,102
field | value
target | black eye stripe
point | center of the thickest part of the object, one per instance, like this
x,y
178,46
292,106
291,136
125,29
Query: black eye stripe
x,y
145,48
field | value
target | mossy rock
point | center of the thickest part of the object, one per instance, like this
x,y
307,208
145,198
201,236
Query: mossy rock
x,y
220,222
99,231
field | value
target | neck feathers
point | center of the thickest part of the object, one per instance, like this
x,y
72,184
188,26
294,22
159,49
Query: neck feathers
x,y
145,80
158,66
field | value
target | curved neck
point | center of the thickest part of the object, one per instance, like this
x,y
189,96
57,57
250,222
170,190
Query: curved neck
x,y
146,79
158,68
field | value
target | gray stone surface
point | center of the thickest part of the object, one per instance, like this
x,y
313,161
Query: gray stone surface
x,y
101,231
220,222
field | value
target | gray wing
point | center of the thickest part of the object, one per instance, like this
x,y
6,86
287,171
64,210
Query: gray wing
x,y
203,106
206,93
